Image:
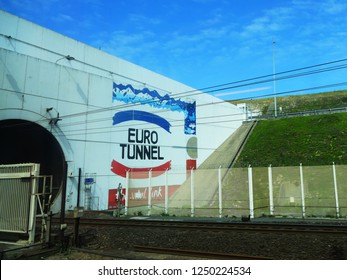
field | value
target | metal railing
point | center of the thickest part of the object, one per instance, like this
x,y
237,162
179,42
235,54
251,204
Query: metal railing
x,y
298,191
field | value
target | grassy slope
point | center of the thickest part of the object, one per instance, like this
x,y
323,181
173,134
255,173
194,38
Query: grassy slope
x,y
298,103
312,140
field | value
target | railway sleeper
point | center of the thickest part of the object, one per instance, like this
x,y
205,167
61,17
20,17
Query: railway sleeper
x,y
87,237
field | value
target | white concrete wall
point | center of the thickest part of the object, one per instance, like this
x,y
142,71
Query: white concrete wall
x,y
35,75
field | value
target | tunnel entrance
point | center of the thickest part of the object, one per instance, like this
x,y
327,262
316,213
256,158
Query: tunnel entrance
x,y
27,142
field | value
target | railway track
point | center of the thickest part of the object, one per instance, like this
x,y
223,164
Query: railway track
x,y
33,252
153,252
215,226
197,254
154,238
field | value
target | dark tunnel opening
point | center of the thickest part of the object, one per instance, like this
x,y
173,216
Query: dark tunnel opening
x,y
27,142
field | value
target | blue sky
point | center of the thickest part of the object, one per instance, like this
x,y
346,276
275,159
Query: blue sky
x,y
204,43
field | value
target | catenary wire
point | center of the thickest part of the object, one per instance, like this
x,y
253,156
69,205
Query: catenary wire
x,y
212,89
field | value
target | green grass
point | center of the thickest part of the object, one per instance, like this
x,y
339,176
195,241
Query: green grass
x,y
312,140
299,103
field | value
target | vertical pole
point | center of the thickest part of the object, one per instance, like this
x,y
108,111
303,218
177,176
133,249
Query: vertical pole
x,y
79,186
77,218
250,110
127,188
271,195
302,191
250,188
336,192
166,193
192,206
220,192
246,108
119,199
149,192
274,74
62,209
35,172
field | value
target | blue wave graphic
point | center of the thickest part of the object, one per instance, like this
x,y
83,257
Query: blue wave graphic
x,y
141,116
128,94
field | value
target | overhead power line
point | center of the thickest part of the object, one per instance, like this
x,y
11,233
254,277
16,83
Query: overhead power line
x,y
200,105
209,89
289,74
236,84
244,82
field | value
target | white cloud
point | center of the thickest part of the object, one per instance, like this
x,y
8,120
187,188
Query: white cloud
x,y
33,6
269,22
62,18
334,7
242,91
139,19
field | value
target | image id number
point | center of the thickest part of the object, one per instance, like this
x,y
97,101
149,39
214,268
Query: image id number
x,y
233,270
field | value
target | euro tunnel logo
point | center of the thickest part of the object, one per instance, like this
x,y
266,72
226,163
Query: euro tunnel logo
x,y
142,144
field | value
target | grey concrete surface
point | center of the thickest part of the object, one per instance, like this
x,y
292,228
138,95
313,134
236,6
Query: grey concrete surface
x,y
206,176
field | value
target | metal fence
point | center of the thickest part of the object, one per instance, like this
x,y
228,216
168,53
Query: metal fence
x,y
298,114
297,191
24,196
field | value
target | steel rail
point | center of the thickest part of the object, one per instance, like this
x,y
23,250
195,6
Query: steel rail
x,y
168,251
106,254
33,254
198,254
218,226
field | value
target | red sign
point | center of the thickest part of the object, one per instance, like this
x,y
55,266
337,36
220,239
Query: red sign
x,y
113,198
139,173
190,164
139,196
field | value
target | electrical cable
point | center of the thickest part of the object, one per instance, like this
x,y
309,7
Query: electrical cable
x,y
215,88
197,91
247,98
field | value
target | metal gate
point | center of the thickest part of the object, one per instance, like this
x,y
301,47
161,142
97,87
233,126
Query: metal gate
x,y
23,195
